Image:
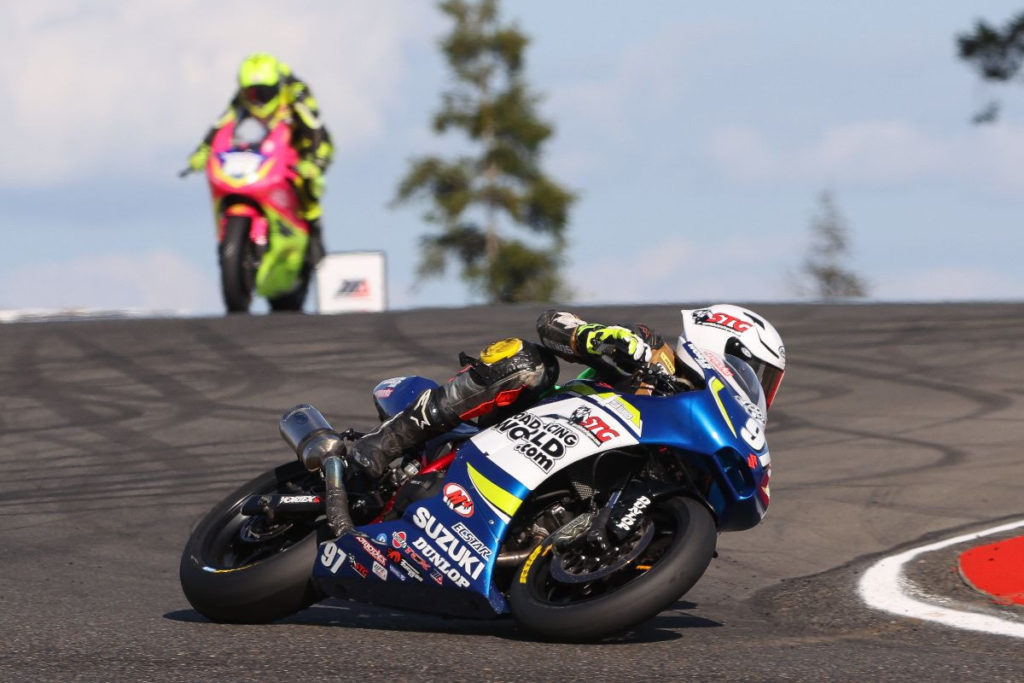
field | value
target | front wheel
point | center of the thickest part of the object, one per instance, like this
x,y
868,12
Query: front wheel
x,y
250,569
562,593
237,265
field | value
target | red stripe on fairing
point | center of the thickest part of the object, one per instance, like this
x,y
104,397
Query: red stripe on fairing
x,y
996,569
441,463
504,398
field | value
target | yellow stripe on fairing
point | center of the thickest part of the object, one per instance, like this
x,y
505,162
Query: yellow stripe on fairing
x,y
497,496
717,386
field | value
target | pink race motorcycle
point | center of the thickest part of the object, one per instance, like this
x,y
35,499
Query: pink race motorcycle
x,y
263,242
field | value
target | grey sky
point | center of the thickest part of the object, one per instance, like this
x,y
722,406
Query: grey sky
x,y
698,139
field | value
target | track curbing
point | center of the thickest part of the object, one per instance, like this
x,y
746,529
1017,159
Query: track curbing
x,y
884,587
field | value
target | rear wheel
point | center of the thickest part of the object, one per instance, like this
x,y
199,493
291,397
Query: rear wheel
x,y
567,591
249,569
238,264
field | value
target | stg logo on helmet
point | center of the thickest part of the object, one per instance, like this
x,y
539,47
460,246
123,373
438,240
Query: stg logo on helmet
x,y
721,320
738,336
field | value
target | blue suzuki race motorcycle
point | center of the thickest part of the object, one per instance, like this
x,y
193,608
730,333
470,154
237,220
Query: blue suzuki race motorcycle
x,y
586,514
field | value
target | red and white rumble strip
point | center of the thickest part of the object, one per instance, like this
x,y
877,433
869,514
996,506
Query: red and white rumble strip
x,y
885,587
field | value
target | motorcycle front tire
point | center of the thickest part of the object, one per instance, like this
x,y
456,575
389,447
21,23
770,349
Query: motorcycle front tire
x,y
237,274
591,618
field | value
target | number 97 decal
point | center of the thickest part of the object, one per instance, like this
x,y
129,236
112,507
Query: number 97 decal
x,y
753,434
332,557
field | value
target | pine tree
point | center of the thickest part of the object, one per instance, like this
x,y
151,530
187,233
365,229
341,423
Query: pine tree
x,y
824,276
997,54
491,104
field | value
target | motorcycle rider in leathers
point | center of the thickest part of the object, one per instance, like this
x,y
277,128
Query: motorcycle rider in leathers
x,y
269,92
512,374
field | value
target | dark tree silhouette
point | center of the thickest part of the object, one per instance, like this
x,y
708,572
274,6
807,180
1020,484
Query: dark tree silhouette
x,y
470,195
822,274
997,55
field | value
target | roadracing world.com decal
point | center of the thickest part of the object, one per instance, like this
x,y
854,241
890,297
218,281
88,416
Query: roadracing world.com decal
x,y
532,445
542,440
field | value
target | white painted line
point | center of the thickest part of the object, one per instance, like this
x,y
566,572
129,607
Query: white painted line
x,y
885,587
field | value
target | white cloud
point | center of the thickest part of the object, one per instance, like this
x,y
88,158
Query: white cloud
x,y
155,280
875,153
90,87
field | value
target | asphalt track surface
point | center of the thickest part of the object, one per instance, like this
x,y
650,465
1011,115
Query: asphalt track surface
x,y
896,425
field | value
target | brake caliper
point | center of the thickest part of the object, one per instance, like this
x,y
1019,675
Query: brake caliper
x,y
628,514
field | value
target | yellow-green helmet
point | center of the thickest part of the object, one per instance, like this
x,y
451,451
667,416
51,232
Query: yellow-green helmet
x,y
259,81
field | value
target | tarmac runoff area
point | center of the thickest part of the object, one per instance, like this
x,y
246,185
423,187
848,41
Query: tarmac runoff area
x,y
899,427
995,570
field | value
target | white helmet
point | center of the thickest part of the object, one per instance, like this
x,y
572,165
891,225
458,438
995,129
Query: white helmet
x,y
728,330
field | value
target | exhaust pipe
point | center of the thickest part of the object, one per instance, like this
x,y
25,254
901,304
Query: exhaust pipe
x,y
336,505
310,435
318,446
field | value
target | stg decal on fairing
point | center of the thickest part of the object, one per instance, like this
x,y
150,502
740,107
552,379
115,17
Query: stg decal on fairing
x,y
360,569
593,426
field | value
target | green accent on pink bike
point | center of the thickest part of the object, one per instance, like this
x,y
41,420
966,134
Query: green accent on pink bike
x,y
279,271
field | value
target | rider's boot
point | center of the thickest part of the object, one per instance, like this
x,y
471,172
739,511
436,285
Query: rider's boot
x,y
508,372
316,249
426,417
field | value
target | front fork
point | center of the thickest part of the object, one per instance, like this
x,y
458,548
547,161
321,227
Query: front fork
x,y
626,509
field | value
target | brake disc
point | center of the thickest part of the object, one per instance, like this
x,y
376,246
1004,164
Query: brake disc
x,y
571,564
256,530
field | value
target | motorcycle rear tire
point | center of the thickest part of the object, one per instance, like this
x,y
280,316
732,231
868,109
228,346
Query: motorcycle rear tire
x,y
237,273
636,601
265,590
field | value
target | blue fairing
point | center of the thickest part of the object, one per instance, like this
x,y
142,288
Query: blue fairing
x,y
441,554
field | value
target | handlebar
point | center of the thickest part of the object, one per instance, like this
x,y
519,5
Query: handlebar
x,y
651,379
657,377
